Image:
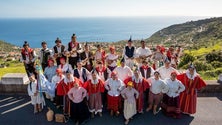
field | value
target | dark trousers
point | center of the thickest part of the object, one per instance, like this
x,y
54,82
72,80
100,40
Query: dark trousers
x,y
73,61
30,69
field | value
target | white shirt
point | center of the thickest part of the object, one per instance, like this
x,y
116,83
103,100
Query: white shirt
x,y
158,86
59,49
112,57
56,79
66,67
32,88
80,74
123,72
175,87
143,52
114,86
166,72
27,58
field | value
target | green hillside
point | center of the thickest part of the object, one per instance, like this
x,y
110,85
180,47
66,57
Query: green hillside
x,y
193,34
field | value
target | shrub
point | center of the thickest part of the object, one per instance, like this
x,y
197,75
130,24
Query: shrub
x,y
186,59
202,66
214,56
216,64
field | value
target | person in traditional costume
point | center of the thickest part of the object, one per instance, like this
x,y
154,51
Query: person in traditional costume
x,y
143,53
79,109
87,58
28,58
111,58
81,73
170,104
50,70
69,82
123,71
129,53
44,55
166,70
141,85
192,82
158,57
129,95
114,87
64,66
72,50
94,87
100,54
158,87
58,51
56,80
36,99
146,70
103,73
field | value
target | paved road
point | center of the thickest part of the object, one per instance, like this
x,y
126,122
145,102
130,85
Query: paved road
x,y
17,110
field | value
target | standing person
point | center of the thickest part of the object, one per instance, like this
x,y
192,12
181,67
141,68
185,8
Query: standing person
x,y
146,70
166,70
72,49
103,73
64,66
111,58
56,80
114,87
58,51
50,70
79,109
129,53
28,58
94,87
81,72
192,82
130,95
100,54
123,71
143,52
158,87
158,57
170,104
87,58
36,99
69,82
141,85
44,54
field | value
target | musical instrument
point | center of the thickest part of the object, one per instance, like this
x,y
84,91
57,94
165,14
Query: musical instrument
x,y
84,62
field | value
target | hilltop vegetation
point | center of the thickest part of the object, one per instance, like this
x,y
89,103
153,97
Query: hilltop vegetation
x,y
193,34
7,47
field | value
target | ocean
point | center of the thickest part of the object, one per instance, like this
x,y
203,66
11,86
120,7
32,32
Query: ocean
x,y
92,29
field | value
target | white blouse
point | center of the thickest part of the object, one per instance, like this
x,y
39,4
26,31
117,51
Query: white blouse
x,y
114,86
158,86
123,72
175,87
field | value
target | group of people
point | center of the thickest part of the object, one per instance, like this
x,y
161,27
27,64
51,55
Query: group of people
x,y
85,82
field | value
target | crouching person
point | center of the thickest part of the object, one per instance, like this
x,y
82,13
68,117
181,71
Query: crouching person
x,y
171,99
79,109
37,98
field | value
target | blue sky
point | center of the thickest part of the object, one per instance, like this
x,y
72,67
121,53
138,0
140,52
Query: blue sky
x,y
95,8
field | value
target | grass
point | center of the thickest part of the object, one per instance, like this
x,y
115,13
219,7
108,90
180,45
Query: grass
x,y
15,67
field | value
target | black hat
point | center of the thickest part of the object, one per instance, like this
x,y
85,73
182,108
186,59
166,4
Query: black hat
x,y
122,60
191,66
44,43
58,40
25,44
79,60
73,35
86,44
68,71
130,40
142,41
